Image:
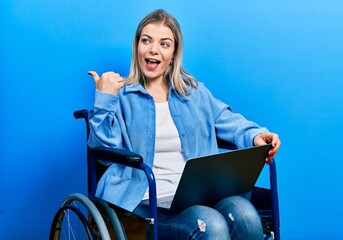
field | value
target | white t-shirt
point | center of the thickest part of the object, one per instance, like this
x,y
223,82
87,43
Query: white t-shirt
x,y
169,161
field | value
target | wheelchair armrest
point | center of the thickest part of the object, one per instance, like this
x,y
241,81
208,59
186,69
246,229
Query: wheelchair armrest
x,y
116,155
127,158
81,114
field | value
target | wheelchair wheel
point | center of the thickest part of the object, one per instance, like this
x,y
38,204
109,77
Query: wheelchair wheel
x,y
78,218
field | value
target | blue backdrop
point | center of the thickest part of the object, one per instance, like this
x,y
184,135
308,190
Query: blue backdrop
x,y
277,62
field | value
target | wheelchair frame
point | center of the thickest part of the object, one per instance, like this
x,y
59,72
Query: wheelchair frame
x,y
264,200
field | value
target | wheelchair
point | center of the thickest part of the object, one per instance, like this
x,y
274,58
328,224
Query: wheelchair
x,y
89,217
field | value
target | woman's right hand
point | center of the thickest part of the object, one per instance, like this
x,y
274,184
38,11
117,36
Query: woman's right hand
x,y
109,82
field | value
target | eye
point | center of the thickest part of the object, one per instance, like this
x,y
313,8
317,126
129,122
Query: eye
x,y
165,44
145,40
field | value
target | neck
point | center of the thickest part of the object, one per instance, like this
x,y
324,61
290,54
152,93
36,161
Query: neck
x,y
158,90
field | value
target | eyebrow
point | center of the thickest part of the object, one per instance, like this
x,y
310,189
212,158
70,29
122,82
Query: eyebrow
x,y
163,39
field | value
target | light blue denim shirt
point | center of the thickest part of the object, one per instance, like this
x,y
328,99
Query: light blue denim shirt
x,y
127,120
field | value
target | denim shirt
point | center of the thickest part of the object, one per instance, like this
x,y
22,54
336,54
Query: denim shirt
x,y
127,120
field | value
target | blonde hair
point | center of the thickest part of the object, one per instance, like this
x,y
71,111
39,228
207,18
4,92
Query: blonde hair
x,y
181,81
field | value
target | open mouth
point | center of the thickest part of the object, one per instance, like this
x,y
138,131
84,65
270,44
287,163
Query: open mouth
x,y
152,63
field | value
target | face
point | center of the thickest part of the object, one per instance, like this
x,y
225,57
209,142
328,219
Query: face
x,y
155,50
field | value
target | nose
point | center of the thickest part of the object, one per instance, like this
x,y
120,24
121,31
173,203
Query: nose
x,y
154,49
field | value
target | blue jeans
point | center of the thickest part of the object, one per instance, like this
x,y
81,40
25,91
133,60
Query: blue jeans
x,y
231,218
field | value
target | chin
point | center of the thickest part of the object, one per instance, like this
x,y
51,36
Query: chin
x,y
150,76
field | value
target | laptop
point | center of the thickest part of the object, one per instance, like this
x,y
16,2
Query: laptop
x,y
206,180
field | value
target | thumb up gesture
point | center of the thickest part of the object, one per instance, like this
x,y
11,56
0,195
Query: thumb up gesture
x,y
109,82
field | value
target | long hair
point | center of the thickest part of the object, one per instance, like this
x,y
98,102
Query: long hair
x,y
180,80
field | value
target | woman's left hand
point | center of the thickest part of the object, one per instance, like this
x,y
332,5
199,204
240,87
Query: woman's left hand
x,y
268,137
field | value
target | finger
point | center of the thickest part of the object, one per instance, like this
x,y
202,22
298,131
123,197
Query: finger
x,y
271,155
273,152
111,74
275,143
274,139
121,79
121,84
268,160
258,140
94,75
116,74
113,77
269,137
276,146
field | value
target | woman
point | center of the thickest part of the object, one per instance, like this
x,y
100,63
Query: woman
x,y
162,113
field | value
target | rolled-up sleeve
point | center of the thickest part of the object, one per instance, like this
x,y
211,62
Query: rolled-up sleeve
x,y
233,127
237,129
103,123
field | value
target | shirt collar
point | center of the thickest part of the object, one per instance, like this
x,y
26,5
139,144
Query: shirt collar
x,y
137,87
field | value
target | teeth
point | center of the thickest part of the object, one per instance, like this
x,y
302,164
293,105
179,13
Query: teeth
x,y
152,61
